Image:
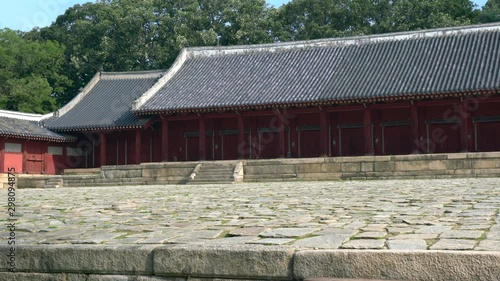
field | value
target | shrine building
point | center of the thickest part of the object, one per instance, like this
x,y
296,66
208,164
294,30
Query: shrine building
x,y
429,91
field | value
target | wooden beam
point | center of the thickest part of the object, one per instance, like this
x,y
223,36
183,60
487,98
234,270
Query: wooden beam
x,y
258,113
390,105
344,108
102,149
438,102
138,146
202,139
220,115
164,140
181,117
310,110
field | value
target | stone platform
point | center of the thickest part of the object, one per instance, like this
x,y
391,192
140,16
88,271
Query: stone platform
x,y
393,229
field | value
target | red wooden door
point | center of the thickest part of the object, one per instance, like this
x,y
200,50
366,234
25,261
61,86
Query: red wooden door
x,y
34,158
192,150
352,141
268,146
487,136
229,145
309,144
397,140
443,138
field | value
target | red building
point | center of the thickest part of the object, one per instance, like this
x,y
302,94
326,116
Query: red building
x,y
434,91
26,147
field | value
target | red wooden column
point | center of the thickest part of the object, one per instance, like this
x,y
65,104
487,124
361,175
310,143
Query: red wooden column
x,y
138,146
465,143
25,157
414,129
164,140
281,137
45,159
2,155
334,134
254,141
323,133
202,139
241,137
102,150
367,118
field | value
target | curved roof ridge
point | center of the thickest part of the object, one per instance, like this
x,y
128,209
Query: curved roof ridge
x,y
21,115
179,61
133,74
67,107
326,71
339,41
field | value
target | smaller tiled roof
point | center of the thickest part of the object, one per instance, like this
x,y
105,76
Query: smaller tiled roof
x,y
105,103
27,129
416,65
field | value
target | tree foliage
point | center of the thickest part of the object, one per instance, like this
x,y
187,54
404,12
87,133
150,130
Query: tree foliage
x,y
31,73
491,11
125,35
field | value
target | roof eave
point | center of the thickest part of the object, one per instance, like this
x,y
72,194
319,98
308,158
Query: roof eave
x,y
319,103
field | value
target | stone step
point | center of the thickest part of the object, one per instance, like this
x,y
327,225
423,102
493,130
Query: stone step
x,y
47,186
217,170
208,178
118,180
215,174
87,171
207,182
211,179
116,183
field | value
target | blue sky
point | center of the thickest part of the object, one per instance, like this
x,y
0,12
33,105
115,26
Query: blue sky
x,y
26,14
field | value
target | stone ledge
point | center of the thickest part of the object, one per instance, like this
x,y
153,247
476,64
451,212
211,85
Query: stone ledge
x,y
83,259
398,265
224,262
180,262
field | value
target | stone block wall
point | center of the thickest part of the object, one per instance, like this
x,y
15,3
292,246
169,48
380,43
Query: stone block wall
x,y
143,174
421,166
418,166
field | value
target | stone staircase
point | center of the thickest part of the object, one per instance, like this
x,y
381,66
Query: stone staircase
x,y
213,173
143,174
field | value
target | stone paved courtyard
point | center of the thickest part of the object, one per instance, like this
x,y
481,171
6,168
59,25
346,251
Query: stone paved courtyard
x,y
455,214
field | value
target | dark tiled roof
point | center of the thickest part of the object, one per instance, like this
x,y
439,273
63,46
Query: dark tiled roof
x,y
369,68
106,103
24,129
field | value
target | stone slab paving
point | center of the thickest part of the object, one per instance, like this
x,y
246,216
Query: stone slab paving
x,y
454,214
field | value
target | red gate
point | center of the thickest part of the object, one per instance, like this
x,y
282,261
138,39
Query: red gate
x,y
34,158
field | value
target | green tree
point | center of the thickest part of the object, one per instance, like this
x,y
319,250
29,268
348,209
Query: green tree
x,y
409,15
125,35
312,19
490,12
30,73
